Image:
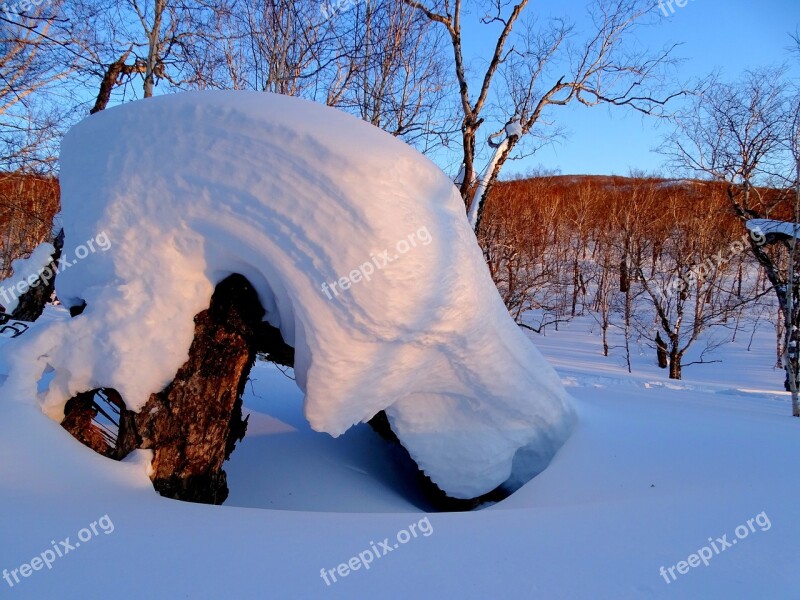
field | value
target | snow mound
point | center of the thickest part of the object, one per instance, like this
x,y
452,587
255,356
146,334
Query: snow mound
x,y
360,252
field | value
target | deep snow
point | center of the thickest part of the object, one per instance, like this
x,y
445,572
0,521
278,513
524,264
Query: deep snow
x,y
655,472
359,250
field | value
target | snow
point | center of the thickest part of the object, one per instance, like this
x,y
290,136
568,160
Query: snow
x,y
767,226
24,272
359,250
514,127
653,469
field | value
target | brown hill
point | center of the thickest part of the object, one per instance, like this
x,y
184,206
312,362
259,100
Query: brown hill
x,y
28,204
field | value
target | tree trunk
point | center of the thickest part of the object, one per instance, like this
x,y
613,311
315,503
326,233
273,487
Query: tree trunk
x,y
675,358
153,48
661,351
628,310
193,425
31,304
576,284
624,276
114,75
115,437
779,340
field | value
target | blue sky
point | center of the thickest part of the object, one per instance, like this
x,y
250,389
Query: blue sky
x,y
729,36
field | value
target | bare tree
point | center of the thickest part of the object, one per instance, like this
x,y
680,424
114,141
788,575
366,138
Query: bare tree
x,y
791,345
791,357
130,40
390,71
378,59
34,62
739,134
690,281
522,243
603,69
277,46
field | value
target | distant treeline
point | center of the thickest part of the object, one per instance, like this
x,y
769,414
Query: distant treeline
x,y
28,204
661,259
557,247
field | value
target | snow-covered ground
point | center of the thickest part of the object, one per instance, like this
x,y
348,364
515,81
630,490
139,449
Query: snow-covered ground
x,y
655,473
664,490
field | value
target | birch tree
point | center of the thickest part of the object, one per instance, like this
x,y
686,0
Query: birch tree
x,y
791,358
743,135
532,69
132,42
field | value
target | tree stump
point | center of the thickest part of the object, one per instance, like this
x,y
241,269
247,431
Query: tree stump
x,y
116,437
193,425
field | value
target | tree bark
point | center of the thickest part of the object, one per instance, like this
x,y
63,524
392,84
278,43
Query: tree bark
x,y
661,351
193,425
153,48
81,412
31,304
115,72
624,282
675,358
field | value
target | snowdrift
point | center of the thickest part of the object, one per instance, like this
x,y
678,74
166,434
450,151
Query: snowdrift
x,y
359,249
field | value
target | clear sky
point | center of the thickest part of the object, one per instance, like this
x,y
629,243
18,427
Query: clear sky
x,y
725,35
